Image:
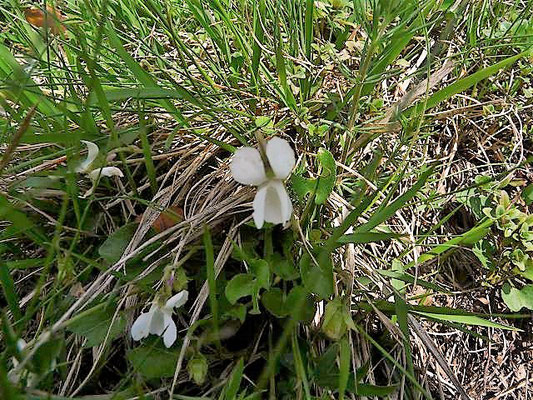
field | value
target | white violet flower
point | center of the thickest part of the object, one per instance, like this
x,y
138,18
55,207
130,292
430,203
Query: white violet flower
x,y
272,203
94,174
85,166
158,321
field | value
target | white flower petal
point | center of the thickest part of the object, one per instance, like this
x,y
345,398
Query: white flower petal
x,y
177,300
171,332
21,344
280,157
286,205
259,206
141,326
92,153
106,171
157,324
247,167
278,206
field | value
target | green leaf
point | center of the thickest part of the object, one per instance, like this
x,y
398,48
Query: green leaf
x,y
334,325
44,359
483,250
466,319
388,210
470,237
113,247
263,121
364,389
465,83
142,76
516,299
283,267
153,362
261,271
197,368
344,363
527,273
388,55
95,323
367,237
8,288
328,176
405,277
274,302
316,280
123,94
234,382
17,84
302,186
527,194
299,304
211,283
239,286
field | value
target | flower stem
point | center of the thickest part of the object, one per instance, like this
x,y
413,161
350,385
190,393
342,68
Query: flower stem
x,y
262,150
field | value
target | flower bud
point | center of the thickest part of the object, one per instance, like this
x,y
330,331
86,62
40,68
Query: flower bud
x,y
336,319
197,368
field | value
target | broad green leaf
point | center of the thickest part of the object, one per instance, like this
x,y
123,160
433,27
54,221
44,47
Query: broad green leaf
x,y
240,285
44,359
113,247
283,267
334,325
527,273
516,299
197,368
153,362
274,302
328,176
316,280
261,271
299,304
302,186
95,323
527,194
264,121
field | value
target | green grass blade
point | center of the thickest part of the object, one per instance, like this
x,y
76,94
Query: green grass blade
x,y
211,281
388,211
468,238
344,366
462,84
467,320
367,237
8,287
234,383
